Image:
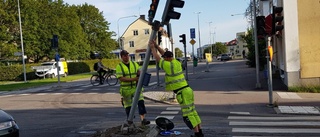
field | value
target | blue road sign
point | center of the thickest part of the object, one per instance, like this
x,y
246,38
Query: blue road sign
x,y
192,33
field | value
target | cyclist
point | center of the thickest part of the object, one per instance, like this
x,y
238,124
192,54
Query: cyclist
x,y
101,70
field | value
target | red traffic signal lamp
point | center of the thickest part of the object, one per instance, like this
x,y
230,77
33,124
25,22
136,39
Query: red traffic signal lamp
x,y
260,26
153,9
183,39
277,19
169,12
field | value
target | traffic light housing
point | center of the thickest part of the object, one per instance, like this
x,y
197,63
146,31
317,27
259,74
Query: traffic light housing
x,y
169,12
152,11
159,37
277,19
260,26
183,38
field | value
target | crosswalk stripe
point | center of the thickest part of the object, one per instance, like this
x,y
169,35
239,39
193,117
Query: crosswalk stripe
x,y
274,118
276,130
168,117
169,112
241,113
300,123
173,108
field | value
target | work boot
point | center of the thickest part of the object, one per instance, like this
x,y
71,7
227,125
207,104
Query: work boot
x,y
145,122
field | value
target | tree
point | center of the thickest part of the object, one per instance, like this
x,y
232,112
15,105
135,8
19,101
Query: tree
x,y
178,53
251,47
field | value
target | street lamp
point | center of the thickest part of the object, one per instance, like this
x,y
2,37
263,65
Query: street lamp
x,y
120,47
200,56
210,37
22,49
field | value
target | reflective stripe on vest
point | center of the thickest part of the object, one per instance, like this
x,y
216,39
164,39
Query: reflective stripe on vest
x,y
128,74
174,77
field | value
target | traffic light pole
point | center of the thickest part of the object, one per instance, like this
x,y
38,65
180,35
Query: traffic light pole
x,y
258,85
270,86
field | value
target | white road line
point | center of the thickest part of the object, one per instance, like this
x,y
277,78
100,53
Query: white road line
x,y
92,93
7,96
23,94
275,123
75,93
173,108
95,89
41,94
276,130
168,117
57,93
275,118
87,86
169,112
77,89
240,113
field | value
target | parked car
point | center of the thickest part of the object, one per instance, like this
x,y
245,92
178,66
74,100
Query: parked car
x,y
8,126
225,57
219,57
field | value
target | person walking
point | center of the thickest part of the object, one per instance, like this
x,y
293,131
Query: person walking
x,y
101,70
175,81
128,73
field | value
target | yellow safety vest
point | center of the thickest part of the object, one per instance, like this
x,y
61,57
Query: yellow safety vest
x,y
123,71
174,77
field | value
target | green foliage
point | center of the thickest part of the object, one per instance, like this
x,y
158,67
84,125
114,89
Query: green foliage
x,y
178,53
217,49
251,47
308,89
81,30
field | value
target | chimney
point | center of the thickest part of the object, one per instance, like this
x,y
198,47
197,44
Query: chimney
x,y
143,17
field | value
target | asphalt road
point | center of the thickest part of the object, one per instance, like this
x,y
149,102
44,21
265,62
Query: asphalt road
x,y
225,94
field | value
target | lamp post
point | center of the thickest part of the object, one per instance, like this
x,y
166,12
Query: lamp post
x,y
120,47
22,49
210,37
200,53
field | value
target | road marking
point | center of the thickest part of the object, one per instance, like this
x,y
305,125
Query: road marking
x,y
41,94
169,112
276,130
6,96
77,89
173,108
57,93
275,118
87,86
23,94
264,123
240,113
75,93
92,93
168,117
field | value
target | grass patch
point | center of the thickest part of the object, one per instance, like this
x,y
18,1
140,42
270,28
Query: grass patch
x,y
10,86
305,89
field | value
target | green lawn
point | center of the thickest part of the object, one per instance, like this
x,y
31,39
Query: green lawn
x,y
10,86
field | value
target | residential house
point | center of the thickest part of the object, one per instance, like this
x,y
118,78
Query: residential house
x,y
136,37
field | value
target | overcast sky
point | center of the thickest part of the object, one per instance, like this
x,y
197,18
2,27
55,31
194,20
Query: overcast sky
x,y
223,27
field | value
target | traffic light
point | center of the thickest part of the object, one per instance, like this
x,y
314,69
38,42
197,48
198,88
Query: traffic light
x,y
153,10
159,37
260,26
277,19
169,12
183,38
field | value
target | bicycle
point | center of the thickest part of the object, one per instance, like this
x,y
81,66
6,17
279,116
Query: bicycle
x,y
109,77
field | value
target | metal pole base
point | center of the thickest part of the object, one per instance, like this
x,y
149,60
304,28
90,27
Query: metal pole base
x,y
128,128
270,105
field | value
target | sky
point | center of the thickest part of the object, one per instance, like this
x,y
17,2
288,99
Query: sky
x,y
223,26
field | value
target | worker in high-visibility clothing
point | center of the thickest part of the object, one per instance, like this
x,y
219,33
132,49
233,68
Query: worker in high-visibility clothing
x,y
128,73
175,81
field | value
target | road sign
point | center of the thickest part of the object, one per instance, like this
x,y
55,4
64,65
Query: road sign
x,y
192,41
192,33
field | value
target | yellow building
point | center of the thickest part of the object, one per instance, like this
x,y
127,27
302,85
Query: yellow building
x,y
297,47
136,37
